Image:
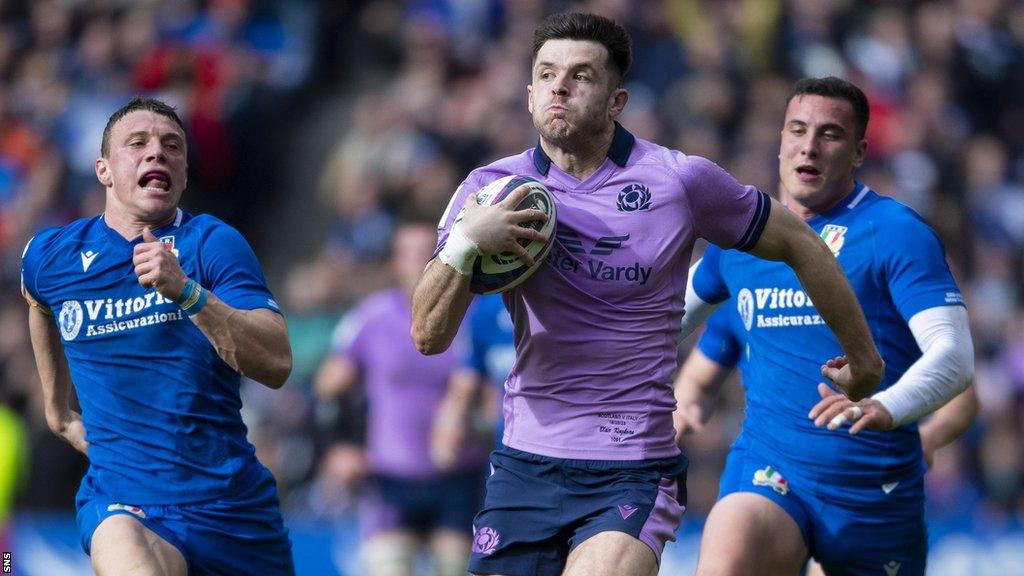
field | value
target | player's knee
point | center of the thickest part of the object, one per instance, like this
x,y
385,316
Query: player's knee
x,y
450,564
388,557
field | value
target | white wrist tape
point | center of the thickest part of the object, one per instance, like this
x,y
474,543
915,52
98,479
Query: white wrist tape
x,y
459,252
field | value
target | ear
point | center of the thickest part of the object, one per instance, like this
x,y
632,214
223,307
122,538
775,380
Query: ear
x,y
617,102
529,98
860,153
103,173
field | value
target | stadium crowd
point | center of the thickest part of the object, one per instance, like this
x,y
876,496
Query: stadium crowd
x,y
312,125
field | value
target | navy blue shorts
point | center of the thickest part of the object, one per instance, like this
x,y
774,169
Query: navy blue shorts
x,y
851,530
240,535
538,509
390,504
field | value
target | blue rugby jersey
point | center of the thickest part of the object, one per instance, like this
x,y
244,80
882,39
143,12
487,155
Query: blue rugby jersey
x,y
897,267
160,407
724,340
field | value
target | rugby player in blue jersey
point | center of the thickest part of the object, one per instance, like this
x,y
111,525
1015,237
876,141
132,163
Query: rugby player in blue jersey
x,y
723,345
797,482
152,315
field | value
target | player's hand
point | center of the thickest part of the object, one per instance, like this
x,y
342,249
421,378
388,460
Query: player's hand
x,y
343,466
157,267
850,381
498,228
72,430
447,436
690,418
836,410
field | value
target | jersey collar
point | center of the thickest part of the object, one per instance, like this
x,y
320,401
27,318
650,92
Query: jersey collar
x,y
622,146
849,202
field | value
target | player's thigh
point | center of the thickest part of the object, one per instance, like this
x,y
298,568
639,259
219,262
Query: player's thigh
x,y
122,545
747,533
450,550
611,554
390,553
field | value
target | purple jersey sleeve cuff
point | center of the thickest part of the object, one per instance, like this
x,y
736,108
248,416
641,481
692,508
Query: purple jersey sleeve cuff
x,y
756,226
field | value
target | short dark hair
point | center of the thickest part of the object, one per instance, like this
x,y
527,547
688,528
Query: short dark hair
x,y
832,87
135,104
580,26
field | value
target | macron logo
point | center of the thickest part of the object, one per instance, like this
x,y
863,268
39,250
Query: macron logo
x,y
87,258
627,510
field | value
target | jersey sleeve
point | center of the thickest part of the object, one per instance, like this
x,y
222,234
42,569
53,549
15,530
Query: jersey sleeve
x,y
31,258
719,342
707,281
914,264
724,212
473,353
232,272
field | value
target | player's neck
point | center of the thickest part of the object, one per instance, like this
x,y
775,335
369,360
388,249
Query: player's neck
x,y
582,157
807,208
130,227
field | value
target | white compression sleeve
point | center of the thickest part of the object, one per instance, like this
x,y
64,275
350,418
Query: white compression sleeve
x,y
696,310
944,369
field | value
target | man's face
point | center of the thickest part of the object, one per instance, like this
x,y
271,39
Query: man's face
x,y
820,150
573,94
412,248
145,170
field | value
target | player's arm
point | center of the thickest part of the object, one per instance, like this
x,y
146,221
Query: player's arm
x,y
442,295
785,237
253,342
452,417
696,389
336,377
943,371
948,423
695,308
55,379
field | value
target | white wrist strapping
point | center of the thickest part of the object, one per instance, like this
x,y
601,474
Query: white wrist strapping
x,y
944,369
696,310
459,252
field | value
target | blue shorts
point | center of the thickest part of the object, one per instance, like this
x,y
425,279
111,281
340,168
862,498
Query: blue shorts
x,y
538,509
852,530
240,535
389,504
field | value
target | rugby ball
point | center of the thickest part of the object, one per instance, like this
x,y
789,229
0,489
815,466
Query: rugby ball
x,y
493,273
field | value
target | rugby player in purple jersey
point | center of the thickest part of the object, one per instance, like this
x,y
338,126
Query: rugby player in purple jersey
x,y
590,480
407,502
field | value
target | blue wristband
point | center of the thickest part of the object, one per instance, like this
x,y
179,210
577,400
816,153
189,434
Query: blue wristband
x,y
193,297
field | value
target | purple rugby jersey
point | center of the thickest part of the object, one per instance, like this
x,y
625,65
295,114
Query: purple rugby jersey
x,y
596,326
403,387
